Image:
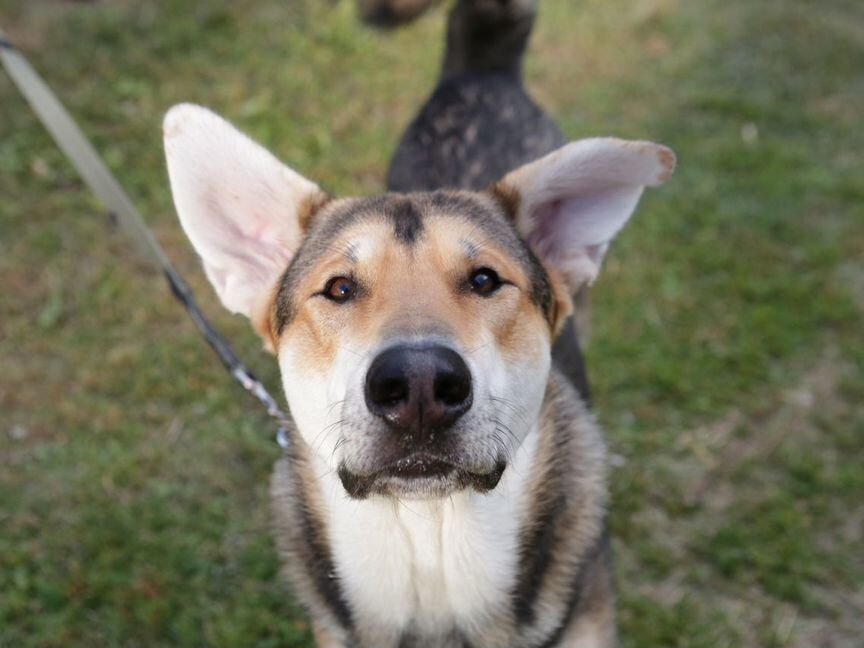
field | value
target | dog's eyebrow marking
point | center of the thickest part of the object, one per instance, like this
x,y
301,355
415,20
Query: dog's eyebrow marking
x,y
407,221
350,253
470,249
499,230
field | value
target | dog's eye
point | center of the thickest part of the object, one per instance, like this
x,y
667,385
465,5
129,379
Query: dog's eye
x,y
340,289
484,281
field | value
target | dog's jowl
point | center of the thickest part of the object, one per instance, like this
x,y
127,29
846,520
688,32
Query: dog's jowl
x,y
446,485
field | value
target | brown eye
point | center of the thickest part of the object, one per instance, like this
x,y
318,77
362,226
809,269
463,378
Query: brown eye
x,y
484,281
340,289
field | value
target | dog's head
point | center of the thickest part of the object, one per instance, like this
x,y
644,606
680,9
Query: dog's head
x,y
413,331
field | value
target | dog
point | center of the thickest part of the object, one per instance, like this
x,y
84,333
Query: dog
x,y
446,483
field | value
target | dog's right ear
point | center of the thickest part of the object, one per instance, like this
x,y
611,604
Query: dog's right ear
x,y
242,208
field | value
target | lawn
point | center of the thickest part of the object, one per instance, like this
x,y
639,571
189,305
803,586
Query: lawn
x,y
726,355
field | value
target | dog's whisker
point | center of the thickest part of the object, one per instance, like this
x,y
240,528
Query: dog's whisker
x,y
324,474
325,431
503,446
500,425
335,404
339,443
477,348
518,410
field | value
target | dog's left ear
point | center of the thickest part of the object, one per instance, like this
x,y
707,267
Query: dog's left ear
x,y
242,208
569,204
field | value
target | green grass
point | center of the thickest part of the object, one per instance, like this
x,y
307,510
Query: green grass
x,y
726,356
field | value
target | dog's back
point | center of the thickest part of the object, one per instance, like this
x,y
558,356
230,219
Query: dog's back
x,y
479,123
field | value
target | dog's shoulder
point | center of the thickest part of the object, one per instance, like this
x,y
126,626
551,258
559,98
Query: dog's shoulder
x,y
302,539
564,576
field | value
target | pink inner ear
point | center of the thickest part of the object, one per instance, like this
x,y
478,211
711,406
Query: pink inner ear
x,y
564,230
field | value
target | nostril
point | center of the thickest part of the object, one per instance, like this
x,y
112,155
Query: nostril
x,y
452,389
388,388
390,391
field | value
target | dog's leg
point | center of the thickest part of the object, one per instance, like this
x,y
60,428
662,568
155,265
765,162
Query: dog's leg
x,y
589,633
594,624
325,639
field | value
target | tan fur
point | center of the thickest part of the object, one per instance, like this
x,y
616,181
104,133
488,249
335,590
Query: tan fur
x,y
508,197
261,319
324,639
309,208
429,276
563,300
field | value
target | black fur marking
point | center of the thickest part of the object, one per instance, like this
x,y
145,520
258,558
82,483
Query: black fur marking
x,y
357,486
536,556
567,357
540,536
320,565
407,222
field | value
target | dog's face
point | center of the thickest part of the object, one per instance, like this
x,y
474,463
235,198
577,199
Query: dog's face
x,y
413,336
413,331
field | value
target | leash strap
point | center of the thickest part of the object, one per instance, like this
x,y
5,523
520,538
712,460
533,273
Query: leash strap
x,y
96,175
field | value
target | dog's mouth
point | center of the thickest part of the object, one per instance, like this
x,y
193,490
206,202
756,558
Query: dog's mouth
x,y
419,475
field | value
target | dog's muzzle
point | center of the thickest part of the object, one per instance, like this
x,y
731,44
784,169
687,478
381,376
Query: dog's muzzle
x,y
419,393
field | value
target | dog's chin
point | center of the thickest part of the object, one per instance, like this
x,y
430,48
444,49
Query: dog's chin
x,y
419,476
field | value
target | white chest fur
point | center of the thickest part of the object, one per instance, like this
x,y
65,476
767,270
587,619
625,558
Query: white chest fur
x,y
429,566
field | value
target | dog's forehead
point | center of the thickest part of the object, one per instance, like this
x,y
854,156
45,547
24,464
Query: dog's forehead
x,y
355,227
409,215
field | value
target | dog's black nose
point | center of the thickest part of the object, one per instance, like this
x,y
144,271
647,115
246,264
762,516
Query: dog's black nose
x,y
419,389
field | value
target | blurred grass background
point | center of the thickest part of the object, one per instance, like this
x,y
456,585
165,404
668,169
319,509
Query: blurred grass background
x,y
726,356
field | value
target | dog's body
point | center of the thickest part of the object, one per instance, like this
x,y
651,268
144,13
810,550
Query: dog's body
x,y
445,487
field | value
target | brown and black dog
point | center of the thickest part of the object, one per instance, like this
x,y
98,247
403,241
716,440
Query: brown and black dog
x,y
446,484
